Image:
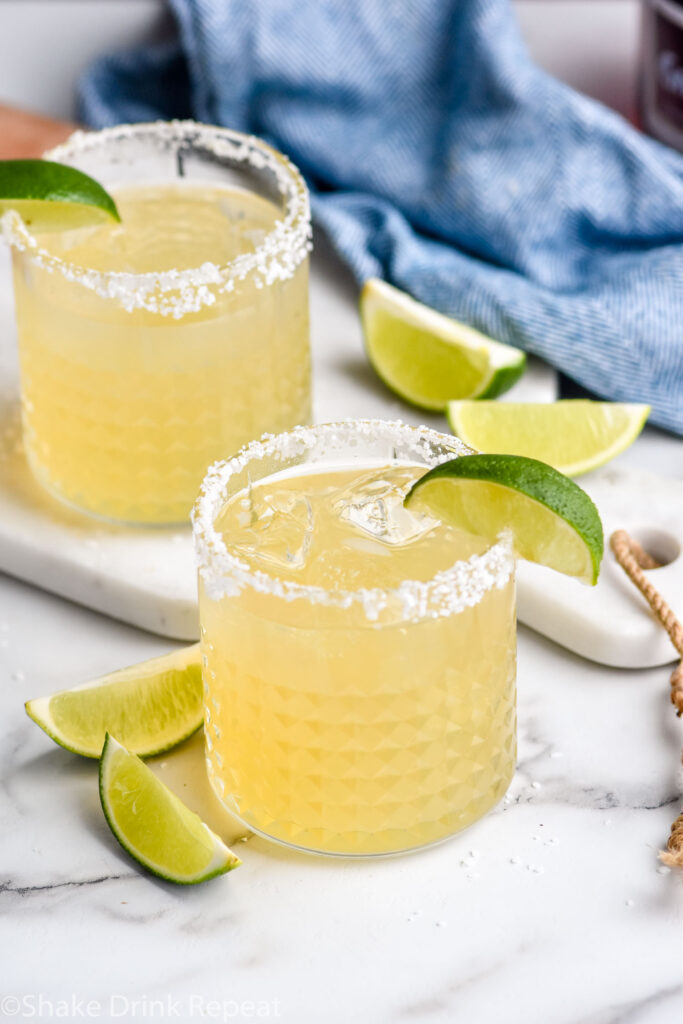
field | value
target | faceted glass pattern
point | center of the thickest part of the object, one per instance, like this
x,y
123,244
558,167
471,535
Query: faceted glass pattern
x,y
359,740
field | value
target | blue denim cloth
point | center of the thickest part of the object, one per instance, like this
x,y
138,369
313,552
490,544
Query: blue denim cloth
x,y
441,159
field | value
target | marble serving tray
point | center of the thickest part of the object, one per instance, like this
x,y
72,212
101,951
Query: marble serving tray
x,y
611,623
147,577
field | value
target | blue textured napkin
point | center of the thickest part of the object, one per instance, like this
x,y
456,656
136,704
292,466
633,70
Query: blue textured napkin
x,y
444,161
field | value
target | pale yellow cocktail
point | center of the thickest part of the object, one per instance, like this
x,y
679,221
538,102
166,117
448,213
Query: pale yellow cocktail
x,y
359,660
153,347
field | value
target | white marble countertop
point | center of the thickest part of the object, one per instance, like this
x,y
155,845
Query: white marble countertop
x,y
552,910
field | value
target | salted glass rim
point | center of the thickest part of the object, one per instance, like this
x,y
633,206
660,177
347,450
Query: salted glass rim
x,y
224,574
176,292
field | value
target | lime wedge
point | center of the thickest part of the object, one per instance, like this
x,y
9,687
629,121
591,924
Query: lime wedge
x,y
551,519
153,825
428,358
573,435
152,706
53,197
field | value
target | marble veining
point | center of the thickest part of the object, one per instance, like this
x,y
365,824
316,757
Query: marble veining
x,y
552,910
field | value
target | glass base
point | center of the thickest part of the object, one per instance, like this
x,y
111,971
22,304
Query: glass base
x,y
392,851
97,517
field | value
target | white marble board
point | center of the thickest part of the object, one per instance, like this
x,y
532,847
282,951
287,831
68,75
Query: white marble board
x,y
146,576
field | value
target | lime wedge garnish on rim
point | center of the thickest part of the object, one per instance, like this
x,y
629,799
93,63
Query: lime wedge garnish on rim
x,y
151,706
551,519
53,197
153,825
427,358
573,435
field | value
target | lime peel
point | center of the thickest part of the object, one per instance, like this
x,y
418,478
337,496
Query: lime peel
x,y
152,706
50,196
552,520
153,825
428,358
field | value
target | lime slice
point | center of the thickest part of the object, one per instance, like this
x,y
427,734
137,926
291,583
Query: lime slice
x,y
551,519
428,358
153,825
573,435
53,197
151,706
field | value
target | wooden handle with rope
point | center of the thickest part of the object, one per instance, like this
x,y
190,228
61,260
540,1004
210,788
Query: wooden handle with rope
x,y
634,560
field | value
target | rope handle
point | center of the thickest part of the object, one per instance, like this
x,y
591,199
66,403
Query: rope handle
x,y
633,559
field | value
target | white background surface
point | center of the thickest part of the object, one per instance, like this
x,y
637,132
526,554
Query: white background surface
x,y
45,44
550,911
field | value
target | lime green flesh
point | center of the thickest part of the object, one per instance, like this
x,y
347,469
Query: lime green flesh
x,y
573,435
153,825
552,521
53,197
427,358
151,706
420,366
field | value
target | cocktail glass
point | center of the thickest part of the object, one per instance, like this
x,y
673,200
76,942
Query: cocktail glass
x,y
152,348
369,719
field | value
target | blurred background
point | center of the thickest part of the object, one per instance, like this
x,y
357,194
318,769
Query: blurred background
x,y
46,44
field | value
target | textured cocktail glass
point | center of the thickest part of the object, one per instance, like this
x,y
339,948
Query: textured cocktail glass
x,y
149,350
365,721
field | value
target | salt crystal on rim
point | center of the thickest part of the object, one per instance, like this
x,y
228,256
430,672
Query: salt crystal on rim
x,y
224,574
176,293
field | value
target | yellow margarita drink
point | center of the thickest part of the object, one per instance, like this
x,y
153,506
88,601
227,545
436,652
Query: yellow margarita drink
x,y
152,347
358,658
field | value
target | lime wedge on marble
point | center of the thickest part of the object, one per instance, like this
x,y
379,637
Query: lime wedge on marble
x,y
551,519
53,197
151,706
153,825
573,435
427,358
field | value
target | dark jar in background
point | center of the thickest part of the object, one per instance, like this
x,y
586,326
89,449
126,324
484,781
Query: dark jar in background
x,y
662,70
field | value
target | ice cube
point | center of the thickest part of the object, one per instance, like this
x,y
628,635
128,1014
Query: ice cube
x,y
375,507
277,528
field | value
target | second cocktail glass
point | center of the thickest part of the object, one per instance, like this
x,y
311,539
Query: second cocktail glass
x,y
358,659
151,348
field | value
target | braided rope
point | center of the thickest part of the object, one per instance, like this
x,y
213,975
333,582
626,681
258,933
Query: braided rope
x,y
633,560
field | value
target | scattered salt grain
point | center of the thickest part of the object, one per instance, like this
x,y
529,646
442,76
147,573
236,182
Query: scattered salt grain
x,y
628,903
535,785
